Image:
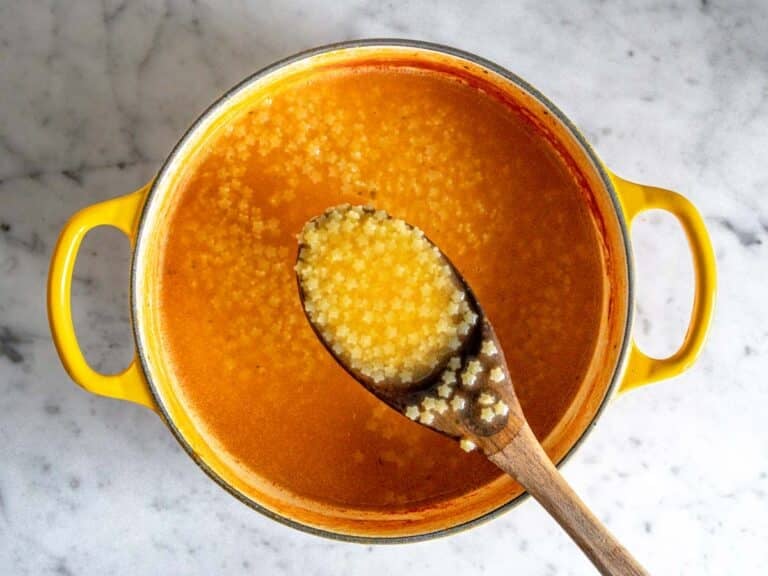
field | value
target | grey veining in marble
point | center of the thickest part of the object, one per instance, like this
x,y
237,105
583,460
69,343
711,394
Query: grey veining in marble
x,y
94,94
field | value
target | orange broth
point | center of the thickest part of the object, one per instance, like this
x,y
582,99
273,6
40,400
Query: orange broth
x,y
467,169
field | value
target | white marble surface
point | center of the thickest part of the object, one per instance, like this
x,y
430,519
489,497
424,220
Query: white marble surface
x,y
94,94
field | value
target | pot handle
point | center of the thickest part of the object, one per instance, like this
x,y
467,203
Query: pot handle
x,y
637,198
122,213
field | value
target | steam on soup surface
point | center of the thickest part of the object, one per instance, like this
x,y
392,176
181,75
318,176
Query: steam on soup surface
x,y
464,167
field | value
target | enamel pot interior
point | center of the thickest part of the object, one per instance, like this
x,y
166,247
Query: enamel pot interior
x,y
607,359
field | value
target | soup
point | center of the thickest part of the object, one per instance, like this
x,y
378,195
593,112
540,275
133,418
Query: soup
x,y
457,162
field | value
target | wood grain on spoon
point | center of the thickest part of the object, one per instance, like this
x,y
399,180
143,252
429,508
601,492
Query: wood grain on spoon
x,y
397,315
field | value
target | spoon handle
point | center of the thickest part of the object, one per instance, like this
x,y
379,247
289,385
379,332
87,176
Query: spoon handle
x,y
525,460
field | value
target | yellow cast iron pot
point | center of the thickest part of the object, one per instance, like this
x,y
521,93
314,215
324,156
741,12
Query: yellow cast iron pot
x,y
618,364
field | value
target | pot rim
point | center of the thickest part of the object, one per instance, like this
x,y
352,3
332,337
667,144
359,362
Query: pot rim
x,y
383,43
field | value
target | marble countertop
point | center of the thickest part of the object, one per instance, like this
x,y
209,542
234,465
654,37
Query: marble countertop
x,y
94,94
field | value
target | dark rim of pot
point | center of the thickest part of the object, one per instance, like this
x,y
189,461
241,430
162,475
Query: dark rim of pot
x,y
384,42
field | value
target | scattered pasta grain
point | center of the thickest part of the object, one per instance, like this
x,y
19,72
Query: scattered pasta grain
x,y
489,348
487,414
496,375
458,403
501,408
486,399
467,445
444,390
469,376
412,412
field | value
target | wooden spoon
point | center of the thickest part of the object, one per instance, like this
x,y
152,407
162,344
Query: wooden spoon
x,y
468,395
